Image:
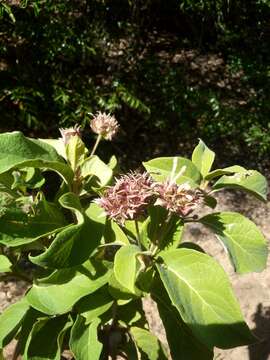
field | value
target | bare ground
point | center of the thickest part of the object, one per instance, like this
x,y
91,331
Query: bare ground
x,y
252,290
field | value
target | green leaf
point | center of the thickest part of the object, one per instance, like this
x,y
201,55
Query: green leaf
x,y
182,343
250,181
60,292
148,343
243,239
200,290
5,264
10,321
18,151
226,171
75,244
203,158
84,340
114,234
76,152
178,169
46,338
118,292
93,305
18,227
93,166
126,266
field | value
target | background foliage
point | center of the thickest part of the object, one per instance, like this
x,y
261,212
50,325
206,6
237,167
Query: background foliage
x,y
171,71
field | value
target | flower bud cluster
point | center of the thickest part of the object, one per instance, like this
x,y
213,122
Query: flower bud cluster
x,y
129,198
178,199
67,134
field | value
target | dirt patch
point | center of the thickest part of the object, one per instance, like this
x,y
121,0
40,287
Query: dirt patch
x,y
252,290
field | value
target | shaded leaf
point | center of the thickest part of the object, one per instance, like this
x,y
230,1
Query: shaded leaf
x,y
148,344
58,293
46,338
84,340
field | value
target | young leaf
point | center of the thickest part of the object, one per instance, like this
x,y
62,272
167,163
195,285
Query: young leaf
x,y
200,290
203,158
148,344
10,321
126,266
84,340
5,264
61,291
183,345
250,181
16,150
118,292
178,169
93,166
244,241
46,338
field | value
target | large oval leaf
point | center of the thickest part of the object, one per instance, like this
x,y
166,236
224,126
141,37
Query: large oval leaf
x,y
200,290
16,150
178,169
182,343
61,291
244,241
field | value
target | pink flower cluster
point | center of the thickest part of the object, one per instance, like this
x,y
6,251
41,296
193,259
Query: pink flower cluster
x,y
178,199
105,125
129,197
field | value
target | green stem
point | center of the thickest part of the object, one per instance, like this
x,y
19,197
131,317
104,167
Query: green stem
x,y
138,234
96,145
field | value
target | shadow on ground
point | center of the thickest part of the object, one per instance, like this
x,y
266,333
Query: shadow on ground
x,y
261,350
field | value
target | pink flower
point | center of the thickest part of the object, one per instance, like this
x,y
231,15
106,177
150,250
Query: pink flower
x,y
178,199
128,198
68,133
105,125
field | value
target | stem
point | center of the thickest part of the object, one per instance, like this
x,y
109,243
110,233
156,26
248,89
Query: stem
x,y
138,233
96,145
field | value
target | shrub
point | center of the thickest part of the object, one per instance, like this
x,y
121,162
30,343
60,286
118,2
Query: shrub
x,y
99,245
